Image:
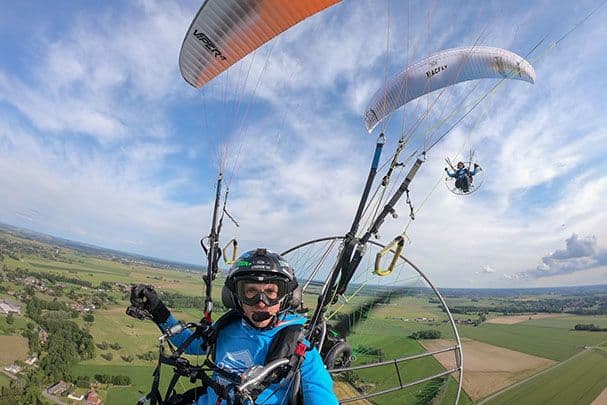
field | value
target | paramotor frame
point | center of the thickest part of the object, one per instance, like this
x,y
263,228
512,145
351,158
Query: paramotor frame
x,y
312,260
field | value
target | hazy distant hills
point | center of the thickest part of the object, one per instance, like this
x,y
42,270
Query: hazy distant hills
x,y
513,292
162,263
99,251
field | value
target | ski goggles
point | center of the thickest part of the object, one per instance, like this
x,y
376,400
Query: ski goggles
x,y
269,292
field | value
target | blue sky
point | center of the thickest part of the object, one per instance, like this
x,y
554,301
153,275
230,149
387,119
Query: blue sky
x,y
102,141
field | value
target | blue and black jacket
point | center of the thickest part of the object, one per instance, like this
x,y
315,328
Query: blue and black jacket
x,y
462,173
240,346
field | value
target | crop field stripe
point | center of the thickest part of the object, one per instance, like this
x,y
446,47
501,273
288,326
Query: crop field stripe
x,y
551,343
576,381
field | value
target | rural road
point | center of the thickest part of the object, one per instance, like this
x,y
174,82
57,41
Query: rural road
x,y
495,394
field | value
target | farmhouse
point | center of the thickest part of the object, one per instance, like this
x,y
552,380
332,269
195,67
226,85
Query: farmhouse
x,y
30,361
13,369
58,388
92,398
31,281
7,307
42,336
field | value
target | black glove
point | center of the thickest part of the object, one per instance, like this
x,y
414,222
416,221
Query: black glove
x,y
446,169
475,165
145,297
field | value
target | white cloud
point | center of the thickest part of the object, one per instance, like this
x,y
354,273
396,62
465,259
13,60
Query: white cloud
x,y
102,147
579,254
486,270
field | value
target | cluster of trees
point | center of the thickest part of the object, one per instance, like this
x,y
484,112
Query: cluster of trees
x,y
31,334
106,285
114,346
84,381
482,317
148,356
590,327
601,309
66,345
53,309
113,379
107,356
53,278
105,345
11,247
12,255
128,358
176,300
426,334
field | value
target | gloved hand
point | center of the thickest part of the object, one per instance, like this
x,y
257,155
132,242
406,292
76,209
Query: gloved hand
x,y
145,297
446,169
475,165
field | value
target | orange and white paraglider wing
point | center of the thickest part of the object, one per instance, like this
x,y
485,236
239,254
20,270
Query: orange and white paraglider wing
x,y
225,31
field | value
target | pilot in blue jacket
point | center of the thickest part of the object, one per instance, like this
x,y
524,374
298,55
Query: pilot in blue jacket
x,y
262,287
463,176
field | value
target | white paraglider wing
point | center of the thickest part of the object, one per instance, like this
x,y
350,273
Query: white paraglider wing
x,y
225,31
444,69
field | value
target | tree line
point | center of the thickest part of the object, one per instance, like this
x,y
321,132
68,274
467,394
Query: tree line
x,y
587,305
589,327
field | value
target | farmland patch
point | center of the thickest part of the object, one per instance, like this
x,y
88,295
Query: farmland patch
x,y
489,368
511,320
12,348
548,342
579,381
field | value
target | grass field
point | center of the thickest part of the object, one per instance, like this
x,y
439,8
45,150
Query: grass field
x,y
5,381
395,343
134,336
569,322
555,343
578,381
12,348
20,322
140,377
97,270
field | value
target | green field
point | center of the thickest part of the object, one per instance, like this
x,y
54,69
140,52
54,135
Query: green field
x,y
555,343
20,322
568,322
97,270
395,343
578,381
141,378
5,381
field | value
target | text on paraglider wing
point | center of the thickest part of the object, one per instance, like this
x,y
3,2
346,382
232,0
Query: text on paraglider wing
x,y
210,45
434,71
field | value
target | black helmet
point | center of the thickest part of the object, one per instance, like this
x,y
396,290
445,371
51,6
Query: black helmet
x,y
259,266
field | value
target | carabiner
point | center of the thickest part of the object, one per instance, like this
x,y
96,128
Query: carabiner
x,y
399,242
234,244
